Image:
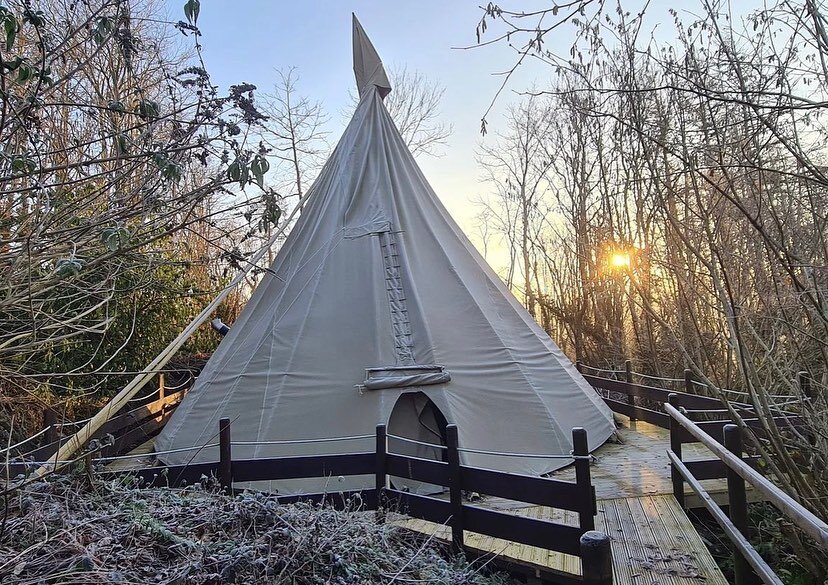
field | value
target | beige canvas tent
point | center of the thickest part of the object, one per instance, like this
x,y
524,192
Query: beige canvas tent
x,y
378,309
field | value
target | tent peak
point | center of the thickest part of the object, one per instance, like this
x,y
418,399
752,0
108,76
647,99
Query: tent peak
x,y
368,67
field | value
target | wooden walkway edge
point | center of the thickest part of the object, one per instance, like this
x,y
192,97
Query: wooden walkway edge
x,y
653,542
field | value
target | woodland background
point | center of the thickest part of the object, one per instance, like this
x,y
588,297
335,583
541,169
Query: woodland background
x,y
660,199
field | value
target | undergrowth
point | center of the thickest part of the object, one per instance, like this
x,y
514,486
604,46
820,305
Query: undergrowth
x,y
66,530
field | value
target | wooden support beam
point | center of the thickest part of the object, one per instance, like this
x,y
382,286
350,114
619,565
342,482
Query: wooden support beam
x,y
628,378
225,470
675,447
596,558
49,422
688,381
580,449
756,561
381,469
455,488
737,504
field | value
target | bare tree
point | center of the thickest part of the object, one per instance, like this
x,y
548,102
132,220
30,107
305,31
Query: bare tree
x,y
518,168
414,105
294,134
709,171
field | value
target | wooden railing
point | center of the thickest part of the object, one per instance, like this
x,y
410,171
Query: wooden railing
x,y
578,496
128,429
674,410
656,398
731,463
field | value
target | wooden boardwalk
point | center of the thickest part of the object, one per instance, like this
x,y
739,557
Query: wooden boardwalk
x,y
635,464
653,542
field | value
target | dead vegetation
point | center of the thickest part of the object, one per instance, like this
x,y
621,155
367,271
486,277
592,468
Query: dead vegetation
x,y
69,531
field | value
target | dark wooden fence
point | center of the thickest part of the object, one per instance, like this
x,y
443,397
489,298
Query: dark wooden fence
x,y
461,516
138,422
725,442
623,397
717,431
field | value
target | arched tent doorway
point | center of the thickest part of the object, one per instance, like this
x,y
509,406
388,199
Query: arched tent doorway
x,y
416,417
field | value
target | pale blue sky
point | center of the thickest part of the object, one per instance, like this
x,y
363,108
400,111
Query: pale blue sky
x,y
247,40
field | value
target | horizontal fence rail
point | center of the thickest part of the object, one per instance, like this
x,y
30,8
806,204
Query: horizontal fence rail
x,y
701,405
798,514
126,430
391,470
739,471
673,410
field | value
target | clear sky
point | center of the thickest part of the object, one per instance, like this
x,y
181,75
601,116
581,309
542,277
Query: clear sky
x,y
248,40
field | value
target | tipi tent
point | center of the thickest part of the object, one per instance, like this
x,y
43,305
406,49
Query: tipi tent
x,y
378,309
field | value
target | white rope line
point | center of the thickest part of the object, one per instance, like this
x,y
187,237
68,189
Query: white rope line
x,y
741,393
594,369
23,442
50,462
73,423
694,382
423,443
525,455
299,441
156,453
648,376
76,423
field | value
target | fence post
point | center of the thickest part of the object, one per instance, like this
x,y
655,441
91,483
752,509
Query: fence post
x,y
49,422
381,467
225,471
805,384
162,392
628,376
596,558
737,503
688,381
588,508
455,488
675,447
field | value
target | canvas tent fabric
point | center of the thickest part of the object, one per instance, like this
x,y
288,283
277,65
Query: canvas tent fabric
x,y
377,282
368,70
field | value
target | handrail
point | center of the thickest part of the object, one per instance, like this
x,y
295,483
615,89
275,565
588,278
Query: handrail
x,y
753,558
808,522
686,381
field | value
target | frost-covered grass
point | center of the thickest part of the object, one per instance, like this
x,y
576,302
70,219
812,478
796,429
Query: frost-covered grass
x,y
65,530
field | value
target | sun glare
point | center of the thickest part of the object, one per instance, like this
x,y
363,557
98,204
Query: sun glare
x,y
620,260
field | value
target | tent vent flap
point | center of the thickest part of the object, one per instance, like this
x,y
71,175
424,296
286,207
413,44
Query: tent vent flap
x,y
404,377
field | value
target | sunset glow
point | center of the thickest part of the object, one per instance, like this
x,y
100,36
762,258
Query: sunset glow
x,y
620,260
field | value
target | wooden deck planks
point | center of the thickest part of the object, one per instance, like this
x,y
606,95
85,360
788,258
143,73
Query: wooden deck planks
x,y
653,541
637,465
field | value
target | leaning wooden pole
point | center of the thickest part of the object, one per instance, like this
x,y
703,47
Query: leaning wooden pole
x,y
80,438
